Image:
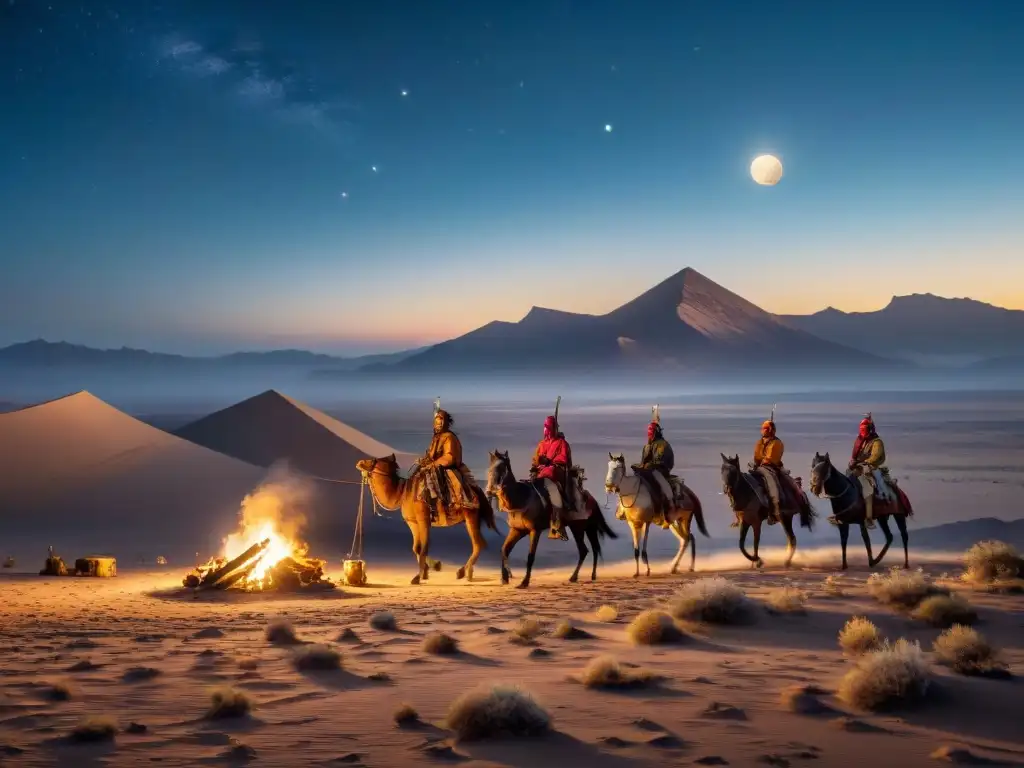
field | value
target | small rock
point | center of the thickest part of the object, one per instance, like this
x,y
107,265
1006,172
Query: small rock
x,y
208,632
711,760
538,653
719,711
615,742
667,741
134,727
647,725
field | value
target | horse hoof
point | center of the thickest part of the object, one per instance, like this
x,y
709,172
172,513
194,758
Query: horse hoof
x,y
674,571
647,575
573,579
692,568
461,573
415,580
636,575
522,585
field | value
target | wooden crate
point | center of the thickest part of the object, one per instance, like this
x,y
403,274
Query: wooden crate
x,y
100,567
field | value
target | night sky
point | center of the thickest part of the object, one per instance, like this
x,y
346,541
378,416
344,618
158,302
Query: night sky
x,y
204,176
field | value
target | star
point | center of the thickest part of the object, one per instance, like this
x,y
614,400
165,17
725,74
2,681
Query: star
x,y
344,195
608,128
373,168
405,92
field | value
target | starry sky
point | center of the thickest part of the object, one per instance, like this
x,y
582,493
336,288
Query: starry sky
x,y
201,176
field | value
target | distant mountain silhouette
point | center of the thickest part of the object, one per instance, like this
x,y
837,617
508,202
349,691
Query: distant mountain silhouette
x,y
964,533
686,321
923,327
62,354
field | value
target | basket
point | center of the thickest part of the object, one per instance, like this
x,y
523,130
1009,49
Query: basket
x,y
355,573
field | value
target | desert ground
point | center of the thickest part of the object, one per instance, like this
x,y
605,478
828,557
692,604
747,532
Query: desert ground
x,y
130,671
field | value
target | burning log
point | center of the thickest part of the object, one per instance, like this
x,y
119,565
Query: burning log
x,y
290,573
211,579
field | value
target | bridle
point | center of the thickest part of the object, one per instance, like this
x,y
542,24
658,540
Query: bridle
x,y
620,461
824,494
391,471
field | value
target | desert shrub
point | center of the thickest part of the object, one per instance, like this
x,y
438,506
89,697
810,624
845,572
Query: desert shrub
x,y
607,614
405,716
441,644
902,589
654,627
832,587
317,658
714,600
991,560
859,636
227,702
379,677
566,630
944,611
895,674
384,621
94,728
348,636
497,711
786,600
281,633
139,674
803,700
607,672
966,651
58,691
526,631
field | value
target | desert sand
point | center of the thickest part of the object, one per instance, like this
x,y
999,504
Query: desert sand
x,y
148,656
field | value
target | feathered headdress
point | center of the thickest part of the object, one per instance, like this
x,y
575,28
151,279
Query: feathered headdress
x,y
772,417
437,405
655,415
558,402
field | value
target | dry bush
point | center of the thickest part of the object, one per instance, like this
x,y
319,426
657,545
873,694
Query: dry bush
x,y
94,728
441,644
317,658
858,636
227,702
607,614
606,672
405,716
714,600
990,561
654,627
944,611
58,691
379,677
831,587
902,589
384,621
139,674
803,700
497,711
891,676
526,631
966,651
347,636
786,600
566,630
281,633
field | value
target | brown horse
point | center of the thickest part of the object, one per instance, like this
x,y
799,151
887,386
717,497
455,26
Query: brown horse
x,y
529,514
395,493
849,509
748,499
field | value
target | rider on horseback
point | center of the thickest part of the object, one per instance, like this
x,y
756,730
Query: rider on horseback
x,y
446,479
656,463
768,464
867,464
551,463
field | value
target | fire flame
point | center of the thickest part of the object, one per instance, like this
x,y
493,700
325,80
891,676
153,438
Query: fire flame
x,y
270,512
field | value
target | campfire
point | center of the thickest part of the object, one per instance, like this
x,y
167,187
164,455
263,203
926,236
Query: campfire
x,y
265,553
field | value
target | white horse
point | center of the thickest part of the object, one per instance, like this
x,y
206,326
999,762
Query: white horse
x,y
636,506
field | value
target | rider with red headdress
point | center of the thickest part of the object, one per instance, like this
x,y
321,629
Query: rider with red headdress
x,y
867,464
552,461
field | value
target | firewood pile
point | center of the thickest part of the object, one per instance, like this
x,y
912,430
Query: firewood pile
x,y
290,574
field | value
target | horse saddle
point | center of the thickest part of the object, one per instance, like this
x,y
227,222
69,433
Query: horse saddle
x,y
756,483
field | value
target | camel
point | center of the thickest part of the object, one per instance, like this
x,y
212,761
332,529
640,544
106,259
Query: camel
x,y
395,493
636,507
529,513
749,500
848,507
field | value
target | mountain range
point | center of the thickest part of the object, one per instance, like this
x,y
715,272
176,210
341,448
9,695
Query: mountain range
x,y
686,322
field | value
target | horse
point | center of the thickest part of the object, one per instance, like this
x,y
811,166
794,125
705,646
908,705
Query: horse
x,y
529,513
396,493
848,507
636,506
748,499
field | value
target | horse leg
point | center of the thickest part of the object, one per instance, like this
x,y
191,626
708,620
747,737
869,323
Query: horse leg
x,y
635,530
901,523
581,547
884,523
414,528
677,529
787,527
595,546
425,548
643,551
758,562
514,535
844,537
691,541
867,542
476,536
744,528
530,558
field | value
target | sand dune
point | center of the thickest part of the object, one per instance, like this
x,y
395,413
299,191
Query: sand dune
x,y
271,427
759,693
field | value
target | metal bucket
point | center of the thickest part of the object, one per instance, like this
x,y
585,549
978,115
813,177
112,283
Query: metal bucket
x,y
355,573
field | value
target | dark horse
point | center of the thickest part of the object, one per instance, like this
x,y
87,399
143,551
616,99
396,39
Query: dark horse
x,y
749,500
529,513
848,507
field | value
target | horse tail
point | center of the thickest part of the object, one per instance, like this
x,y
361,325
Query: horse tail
x,y
597,519
698,514
807,513
486,510
904,501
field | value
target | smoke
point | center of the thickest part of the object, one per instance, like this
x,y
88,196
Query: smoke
x,y
278,504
